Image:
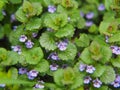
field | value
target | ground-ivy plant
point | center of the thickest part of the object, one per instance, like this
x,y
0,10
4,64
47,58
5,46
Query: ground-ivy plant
x,y
59,44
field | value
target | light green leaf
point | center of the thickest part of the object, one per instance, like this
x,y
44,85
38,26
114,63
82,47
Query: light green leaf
x,y
12,73
86,56
68,30
37,8
20,15
68,76
1,32
103,27
55,21
108,76
116,62
12,58
115,37
78,81
3,54
99,70
34,55
47,41
34,23
81,23
58,76
108,4
106,54
83,41
15,81
69,53
42,66
15,1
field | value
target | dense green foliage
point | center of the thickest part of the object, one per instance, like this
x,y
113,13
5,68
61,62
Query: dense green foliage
x,y
56,44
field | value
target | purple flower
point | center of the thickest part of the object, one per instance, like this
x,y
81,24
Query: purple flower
x,y
16,48
115,84
12,18
69,19
39,86
29,44
34,35
15,27
97,83
4,13
101,7
53,67
53,56
51,9
82,14
2,85
90,69
32,74
89,23
115,50
87,80
82,67
62,45
90,15
22,71
106,39
22,38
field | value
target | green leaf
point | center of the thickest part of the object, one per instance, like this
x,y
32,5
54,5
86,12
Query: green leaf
x,y
42,66
68,30
2,3
103,27
3,54
108,76
93,29
108,4
106,54
20,15
15,81
69,53
58,76
115,37
47,41
68,76
1,32
15,1
1,15
37,8
101,88
34,55
55,21
116,62
83,41
12,58
81,23
100,69
14,35
27,7
78,81
34,23
12,73
86,56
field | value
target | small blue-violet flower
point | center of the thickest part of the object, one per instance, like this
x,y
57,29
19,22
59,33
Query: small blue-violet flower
x,y
16,48
101,7
82,67
90,69
51,9
32,74
22,38
87,80
97,83
90,15
29,44
88,23
53,67
2,85
53,56
62,45
22,71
